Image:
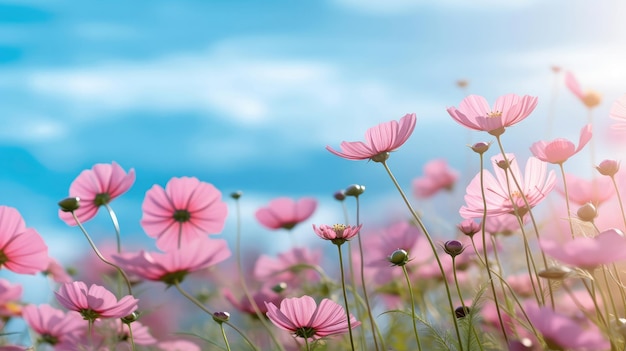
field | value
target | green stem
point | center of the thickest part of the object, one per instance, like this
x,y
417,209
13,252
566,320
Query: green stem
x,y
345,296
569,215
413,317
224,336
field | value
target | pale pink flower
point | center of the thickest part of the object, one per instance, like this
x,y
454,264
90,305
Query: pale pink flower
x,y
97,187
560,150
259,297
286,213
618,113
10,296
338,233
588,253
55,327
379,140
186,209
94,301
469,227
437,176
174,265
535,186
582,191
22,250
590,98
57,272
474,112
288,267
302,317
560,332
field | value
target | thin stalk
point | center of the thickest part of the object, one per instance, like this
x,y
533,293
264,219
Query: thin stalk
x,y
569,215
306,343
433,248
345,296
206,310
619,200
224,336
116,226
413,317
130,337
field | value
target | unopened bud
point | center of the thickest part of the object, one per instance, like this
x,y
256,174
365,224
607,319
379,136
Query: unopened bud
x,y
280,287
587,212
221,317
399,257
355,190
592,99
555,273
236,195
461,311
503,164
130,318
69,204
608,167
453,248
339,195
481,147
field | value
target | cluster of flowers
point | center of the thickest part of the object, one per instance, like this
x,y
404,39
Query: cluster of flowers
x,y
406,292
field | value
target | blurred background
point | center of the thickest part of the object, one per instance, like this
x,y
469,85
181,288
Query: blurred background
x,y
247,94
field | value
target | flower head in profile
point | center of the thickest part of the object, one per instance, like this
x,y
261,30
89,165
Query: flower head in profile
x,y
338,233
589,253
186,209
475,113
302,317
379,140
286,213
172,267
55,327
22,250
97,187
94,301
501,189
437,176
560,150
590,98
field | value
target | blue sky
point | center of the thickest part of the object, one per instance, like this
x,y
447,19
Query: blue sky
x,y
246,94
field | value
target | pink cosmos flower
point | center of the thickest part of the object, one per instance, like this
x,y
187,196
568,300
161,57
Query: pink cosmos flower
x,y
535,186
379,140
588,253
288,267
57,272
618,113
95,301
55,327
260,297
22,250
590,98
186,209
338,233
286,213
174,265
10,296
582,191
97,187
119,331
437,176
474,112
563,333
302,316
559,150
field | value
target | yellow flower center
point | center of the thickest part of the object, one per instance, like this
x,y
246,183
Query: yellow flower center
x,y
495,114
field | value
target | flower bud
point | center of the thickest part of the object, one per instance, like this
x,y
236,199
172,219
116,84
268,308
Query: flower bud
x,y
592,99
236,195
399,257
340,195
221,317
69,204
587,212
503,164
608,167
555,272
130,318
469,227
453,248
461,311
481,147
354,190
280,287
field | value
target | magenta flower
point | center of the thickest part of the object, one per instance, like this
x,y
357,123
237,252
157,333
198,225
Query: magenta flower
x,y
437,176
22,250
97,187
588,253
563,333
174,265
186,209
379,140
474,112
302,316
95,301
286,213
590,98
535,186
560,150
338,233
55,327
